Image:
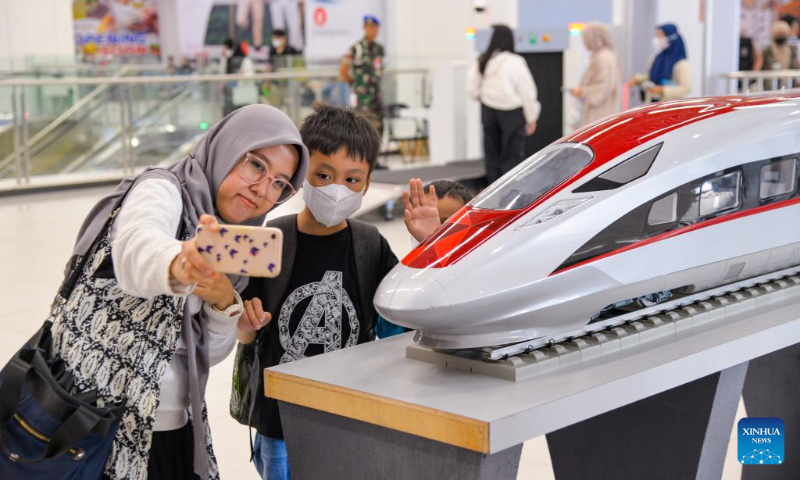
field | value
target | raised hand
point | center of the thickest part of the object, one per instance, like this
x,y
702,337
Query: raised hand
x,y
421,215
254,318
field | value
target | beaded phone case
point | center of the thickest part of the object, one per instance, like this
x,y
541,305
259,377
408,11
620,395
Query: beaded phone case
x,y
249,251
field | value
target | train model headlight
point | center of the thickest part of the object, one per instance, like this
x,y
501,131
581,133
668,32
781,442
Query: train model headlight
x,y
557,209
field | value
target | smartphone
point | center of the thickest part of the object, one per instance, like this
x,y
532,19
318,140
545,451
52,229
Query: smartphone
x,y
240,250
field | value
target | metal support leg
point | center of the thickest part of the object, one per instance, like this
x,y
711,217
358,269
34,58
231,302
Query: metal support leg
x,y
124,139
293,88
772,389
322,445
131,131
681,433
16,128
26,154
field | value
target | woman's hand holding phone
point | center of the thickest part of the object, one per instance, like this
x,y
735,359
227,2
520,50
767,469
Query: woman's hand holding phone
x,y
190,268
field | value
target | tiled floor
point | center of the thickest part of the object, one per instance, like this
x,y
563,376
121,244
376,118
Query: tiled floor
x,y
35,241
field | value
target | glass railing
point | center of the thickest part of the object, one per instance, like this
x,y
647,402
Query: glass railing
x,y
81,130
762,81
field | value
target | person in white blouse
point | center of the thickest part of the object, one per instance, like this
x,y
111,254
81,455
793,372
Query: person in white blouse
x,y
501,80
173,317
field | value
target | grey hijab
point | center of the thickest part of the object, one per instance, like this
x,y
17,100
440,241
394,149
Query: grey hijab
x,y
198,177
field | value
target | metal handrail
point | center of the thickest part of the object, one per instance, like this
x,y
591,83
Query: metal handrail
x,y
161,79
103,83
759,74
761,81
159,109
58,121
131,67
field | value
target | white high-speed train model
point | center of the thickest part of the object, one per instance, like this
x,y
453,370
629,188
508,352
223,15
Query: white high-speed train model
x,y
676,197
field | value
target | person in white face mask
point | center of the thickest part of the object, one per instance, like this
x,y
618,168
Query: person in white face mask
x,y
670,74
281,53
331,267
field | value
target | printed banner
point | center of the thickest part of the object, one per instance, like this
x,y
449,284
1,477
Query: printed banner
x,y
204,25
124,29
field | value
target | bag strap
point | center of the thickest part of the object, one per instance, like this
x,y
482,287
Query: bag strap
x,y
14,376
79,261
367,250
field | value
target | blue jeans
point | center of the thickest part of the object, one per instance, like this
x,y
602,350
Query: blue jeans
x,y
269,457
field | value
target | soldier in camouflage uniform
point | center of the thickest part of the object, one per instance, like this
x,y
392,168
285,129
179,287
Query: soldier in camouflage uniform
x,y
363,70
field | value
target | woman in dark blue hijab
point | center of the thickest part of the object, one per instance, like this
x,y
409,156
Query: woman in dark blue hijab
x,y
670,75
662,69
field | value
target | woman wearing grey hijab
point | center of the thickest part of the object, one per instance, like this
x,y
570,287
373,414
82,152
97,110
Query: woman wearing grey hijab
x,y
148,315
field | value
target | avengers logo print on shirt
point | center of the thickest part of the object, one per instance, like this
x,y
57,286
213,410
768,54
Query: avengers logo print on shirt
x,y
321,323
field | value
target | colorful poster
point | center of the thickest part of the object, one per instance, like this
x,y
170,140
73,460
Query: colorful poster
x,y
124,29
320,29
204,25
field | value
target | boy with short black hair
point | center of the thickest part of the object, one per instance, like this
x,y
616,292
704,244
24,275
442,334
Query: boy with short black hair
x,y
331,268
452,196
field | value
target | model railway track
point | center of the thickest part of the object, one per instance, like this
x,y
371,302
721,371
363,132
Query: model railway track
x,y
540,355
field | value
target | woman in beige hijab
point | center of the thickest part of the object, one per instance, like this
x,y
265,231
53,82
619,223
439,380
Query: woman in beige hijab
x,y
779,55
601,81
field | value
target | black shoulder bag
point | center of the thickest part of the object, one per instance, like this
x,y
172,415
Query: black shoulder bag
x,y
46,431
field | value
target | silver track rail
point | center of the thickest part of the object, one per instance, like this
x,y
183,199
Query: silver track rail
x,y
661,308
538,356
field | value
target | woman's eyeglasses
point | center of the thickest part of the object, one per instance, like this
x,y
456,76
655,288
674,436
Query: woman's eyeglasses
x,y
256,170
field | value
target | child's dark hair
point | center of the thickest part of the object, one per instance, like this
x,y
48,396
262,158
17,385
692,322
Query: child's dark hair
x,y
454,190
330,128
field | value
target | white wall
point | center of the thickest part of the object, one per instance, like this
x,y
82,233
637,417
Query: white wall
x,y
432,34
37,31
169,29
722,44
430,30
686,15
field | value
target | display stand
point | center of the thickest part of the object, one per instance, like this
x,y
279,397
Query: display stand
x,y
663,409
680,433
772,389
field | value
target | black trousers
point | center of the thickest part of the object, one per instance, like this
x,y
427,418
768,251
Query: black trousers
x,y
503,140
172,455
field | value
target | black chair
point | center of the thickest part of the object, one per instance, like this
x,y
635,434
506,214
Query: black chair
x,y
401,129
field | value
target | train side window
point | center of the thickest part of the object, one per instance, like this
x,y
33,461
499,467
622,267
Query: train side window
x,y
629,170
720,194
688,204
664,210
778,178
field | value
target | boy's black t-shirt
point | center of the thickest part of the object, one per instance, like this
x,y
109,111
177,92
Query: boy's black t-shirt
x,y
321,310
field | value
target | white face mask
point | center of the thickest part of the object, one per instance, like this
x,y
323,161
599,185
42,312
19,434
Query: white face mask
x,y
660,44
277,42
226,53
331,204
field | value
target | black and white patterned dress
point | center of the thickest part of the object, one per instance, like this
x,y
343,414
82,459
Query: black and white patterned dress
x,y
121,346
